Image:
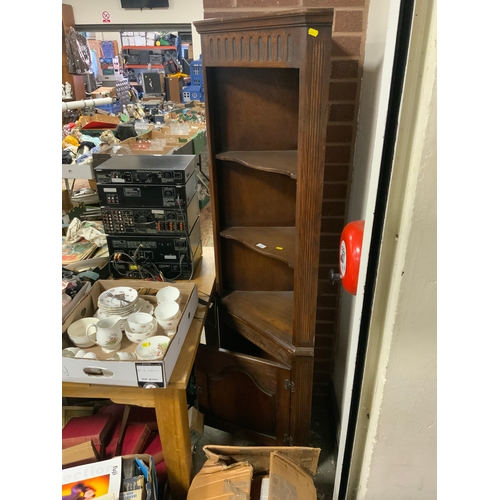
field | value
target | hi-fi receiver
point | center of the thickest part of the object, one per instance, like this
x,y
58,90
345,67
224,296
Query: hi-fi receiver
x,y
146,169
150,220
147,195
170,270
175,256
156,248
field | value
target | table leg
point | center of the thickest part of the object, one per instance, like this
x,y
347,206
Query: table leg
x,y
173,427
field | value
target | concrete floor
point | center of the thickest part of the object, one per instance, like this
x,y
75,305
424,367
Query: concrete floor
x,y
321,436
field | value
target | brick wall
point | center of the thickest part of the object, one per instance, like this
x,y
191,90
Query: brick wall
x,y
348,39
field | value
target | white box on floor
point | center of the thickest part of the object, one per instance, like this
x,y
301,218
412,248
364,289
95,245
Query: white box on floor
x,y
134,373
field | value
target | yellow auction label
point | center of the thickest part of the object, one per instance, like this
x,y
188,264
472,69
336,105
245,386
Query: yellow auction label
x,y
312,32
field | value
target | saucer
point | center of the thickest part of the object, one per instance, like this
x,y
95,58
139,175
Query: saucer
x,y
146,306
152,348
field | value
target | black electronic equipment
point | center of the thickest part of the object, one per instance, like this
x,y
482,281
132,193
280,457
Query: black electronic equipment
x,y
147,195
150,220
144,4
150,212
146,169
170,270
175,256
156,248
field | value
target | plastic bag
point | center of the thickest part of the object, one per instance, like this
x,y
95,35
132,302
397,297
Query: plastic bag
x,y
77,53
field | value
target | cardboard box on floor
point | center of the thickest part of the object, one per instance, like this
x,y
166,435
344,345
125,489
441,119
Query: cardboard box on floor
x,y
236,473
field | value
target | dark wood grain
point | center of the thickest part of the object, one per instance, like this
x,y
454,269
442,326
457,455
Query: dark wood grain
x,y
244,392
284,162
278,242
266,95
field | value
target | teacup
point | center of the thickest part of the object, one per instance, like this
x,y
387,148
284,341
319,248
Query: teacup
x,y
77,332
167,314
82,353
69,352
139,337
168,294
124,356
107,333
139,322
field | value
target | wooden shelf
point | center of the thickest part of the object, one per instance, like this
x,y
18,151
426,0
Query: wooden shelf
x,y
271,237
268,313
280,162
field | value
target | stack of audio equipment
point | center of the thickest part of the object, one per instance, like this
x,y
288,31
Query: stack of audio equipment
x,y
150,214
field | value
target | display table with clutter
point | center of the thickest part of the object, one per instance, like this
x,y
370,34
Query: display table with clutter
x,y
167,396
128,340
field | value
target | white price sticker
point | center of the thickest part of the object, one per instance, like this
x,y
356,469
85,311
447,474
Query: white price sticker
x,y
147,372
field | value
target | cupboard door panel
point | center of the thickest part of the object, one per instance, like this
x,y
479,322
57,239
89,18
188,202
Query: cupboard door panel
x,y
243,393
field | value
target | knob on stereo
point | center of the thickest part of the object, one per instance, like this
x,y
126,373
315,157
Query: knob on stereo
x,y
351,241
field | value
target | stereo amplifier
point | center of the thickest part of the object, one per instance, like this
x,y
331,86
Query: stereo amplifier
x,y
155,248
147,195
170,270
150,220
146,169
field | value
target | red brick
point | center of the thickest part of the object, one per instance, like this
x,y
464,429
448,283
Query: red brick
x,y
343,91
327,301
323,341
329,240
324,284
333,209
322,378
345,69
334,191
326,328
348,21
341,113
266,3
338,154
346,45
349,3
318,3
339,133
322,366
332,224
328,257
323,354
336,173
217,4
326,314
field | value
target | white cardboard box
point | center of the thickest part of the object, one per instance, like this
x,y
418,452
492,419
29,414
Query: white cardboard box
x,y
135,373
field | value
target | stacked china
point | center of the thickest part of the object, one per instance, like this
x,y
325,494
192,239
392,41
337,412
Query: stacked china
x,y
119,301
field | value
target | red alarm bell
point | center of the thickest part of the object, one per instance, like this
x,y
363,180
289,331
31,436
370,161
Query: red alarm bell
x,y
351,241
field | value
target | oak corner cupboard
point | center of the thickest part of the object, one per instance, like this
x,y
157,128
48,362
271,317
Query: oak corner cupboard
x,y
266,89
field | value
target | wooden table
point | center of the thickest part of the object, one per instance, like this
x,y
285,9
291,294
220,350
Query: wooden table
x,y
170,403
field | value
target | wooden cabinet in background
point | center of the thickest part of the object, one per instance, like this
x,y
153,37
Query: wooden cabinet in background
x,y
266,96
